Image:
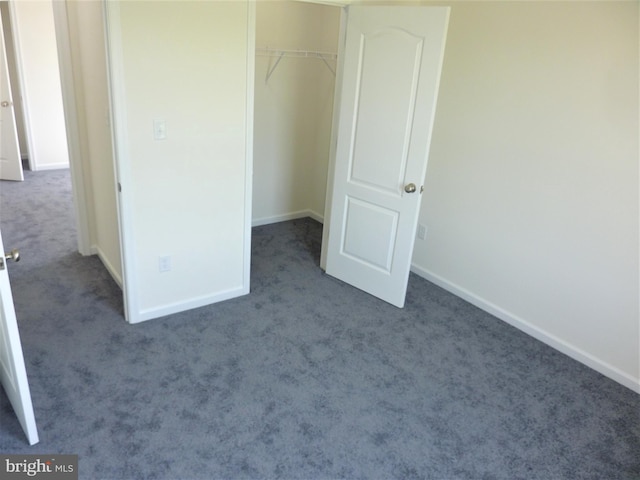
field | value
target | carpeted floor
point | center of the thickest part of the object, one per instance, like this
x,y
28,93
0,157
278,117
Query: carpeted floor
x,y
305,378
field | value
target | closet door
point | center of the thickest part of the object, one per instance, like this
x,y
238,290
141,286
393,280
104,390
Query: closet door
x,y
392,64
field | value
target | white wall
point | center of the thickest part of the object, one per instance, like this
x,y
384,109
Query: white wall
x,y
531,197
293,111
37,57
186,197
88,56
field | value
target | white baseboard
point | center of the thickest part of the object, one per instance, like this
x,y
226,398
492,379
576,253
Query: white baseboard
x,y
256,222
108,265
197,302
50,166
562,346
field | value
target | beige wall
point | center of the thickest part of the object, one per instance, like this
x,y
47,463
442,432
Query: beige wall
x,y
185,197
86,37
37,57
531,197
293,110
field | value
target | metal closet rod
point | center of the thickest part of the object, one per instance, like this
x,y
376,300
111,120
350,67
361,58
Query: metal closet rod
x,y
280,54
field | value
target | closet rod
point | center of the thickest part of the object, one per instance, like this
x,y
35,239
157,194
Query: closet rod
x,y
271,52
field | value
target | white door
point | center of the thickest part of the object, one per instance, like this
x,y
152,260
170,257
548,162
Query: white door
x,y
12,370
10,162
392,62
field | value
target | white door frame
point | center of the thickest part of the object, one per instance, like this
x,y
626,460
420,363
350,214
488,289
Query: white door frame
x,y
337,100
117,101
81,200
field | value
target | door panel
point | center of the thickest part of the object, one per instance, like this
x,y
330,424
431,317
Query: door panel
x,y
13,373
369,231
391,70
385,58
10,162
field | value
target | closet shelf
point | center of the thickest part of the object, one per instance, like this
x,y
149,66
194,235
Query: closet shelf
x,y
280,54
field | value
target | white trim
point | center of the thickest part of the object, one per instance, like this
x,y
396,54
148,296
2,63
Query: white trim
x,y
81,200
196,302
536,332
95,250
257,222
54,166
118,120
316,216
248,161
335,124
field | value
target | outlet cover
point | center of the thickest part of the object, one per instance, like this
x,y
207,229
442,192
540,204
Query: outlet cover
x,y
422,232
164,264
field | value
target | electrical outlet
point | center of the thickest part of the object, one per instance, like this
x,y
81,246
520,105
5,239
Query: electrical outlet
x,y
422,232
164,264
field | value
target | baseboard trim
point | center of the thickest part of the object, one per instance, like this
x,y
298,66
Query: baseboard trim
x,y
562,346
257,222
197,302
95,250
51,166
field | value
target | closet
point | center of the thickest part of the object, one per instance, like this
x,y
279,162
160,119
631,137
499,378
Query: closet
x,y
296,51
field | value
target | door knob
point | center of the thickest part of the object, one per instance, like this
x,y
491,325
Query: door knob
x,y
5,103
13,255
410,187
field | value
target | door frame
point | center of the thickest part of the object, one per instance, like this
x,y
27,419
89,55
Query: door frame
x,y
335,121
81,199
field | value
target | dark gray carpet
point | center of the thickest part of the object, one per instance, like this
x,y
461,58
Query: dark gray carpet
x,y
305,378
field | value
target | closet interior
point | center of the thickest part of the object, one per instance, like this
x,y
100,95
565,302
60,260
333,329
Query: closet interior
x,y
296,55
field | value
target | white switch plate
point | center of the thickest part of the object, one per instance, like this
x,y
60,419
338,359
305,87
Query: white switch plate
x,y
159,130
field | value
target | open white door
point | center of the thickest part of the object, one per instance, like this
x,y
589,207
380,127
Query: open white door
x,y
10,162
12,370
391,72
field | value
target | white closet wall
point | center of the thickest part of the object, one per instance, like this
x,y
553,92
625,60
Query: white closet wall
x,y
292,127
